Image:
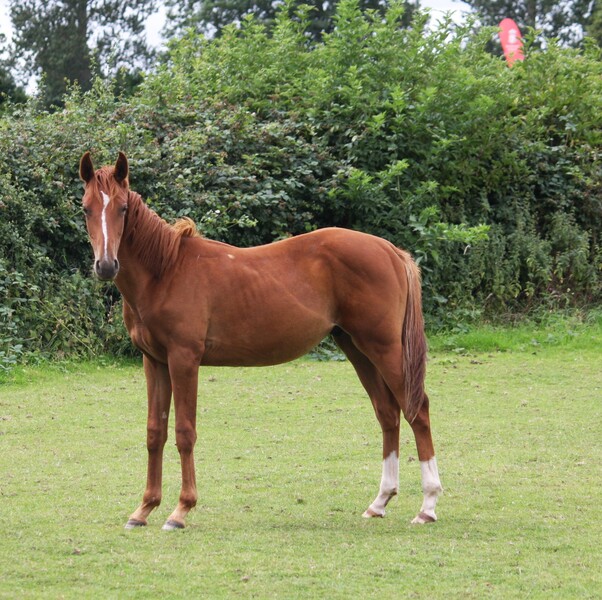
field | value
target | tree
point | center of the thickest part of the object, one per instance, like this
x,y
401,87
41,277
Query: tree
x,y
564,20
594,28
211,16
9,90
60,39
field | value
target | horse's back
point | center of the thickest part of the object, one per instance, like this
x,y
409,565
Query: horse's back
x,y
363,277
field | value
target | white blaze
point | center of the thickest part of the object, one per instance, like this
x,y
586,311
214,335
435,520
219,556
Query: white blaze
x,y
105,232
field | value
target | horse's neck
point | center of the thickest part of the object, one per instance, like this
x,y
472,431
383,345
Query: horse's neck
x,y
148,250
134,279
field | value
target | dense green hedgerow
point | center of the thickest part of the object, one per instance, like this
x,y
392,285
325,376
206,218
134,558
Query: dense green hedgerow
x,y
491,176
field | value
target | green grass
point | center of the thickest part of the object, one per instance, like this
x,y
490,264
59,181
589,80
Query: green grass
x,y
570,331
287,460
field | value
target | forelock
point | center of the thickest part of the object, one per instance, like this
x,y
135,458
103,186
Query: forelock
x,y
104,178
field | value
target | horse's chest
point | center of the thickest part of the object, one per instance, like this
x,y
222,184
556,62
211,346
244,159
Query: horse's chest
x,y
143,339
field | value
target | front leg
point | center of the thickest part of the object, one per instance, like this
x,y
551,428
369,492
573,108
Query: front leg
x,y
184,370
158,383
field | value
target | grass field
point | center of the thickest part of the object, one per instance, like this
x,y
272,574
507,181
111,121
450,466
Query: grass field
x,y
287,460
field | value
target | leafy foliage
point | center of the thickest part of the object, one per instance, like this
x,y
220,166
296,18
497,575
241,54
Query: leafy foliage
x,y
9,90
594,28
489,175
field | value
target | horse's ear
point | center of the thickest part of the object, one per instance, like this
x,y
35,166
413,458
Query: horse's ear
x,y
121,168
86,168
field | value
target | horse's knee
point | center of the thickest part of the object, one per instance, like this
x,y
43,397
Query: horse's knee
x,y
155,438
185,438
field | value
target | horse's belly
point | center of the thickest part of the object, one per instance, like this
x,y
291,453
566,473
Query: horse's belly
x,y
265,346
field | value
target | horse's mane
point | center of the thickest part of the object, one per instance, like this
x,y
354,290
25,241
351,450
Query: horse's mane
x,y
155,242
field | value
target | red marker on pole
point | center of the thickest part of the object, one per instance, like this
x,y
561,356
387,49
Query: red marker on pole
x,y
512,41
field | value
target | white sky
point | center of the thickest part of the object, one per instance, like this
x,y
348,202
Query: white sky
x,y
155,22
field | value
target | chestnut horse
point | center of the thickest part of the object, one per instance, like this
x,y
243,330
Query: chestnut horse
x,y
190,301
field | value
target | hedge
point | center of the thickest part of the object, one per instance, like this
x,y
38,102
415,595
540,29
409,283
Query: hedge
x,y
490,176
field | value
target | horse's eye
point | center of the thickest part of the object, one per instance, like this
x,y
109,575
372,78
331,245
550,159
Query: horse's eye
x,y
123,209
87,212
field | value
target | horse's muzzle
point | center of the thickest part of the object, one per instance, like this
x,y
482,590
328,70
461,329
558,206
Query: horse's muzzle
x,y
106,269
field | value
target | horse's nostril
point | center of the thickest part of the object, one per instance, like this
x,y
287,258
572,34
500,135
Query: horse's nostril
x,y
106,269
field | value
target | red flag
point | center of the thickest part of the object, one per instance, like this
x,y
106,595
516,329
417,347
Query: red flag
x,y
512,41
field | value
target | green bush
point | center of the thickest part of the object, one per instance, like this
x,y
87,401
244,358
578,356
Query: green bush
x,y
489,175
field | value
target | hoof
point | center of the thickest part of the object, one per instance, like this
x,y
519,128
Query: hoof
x,y
421,518
134,524
172,525
370,513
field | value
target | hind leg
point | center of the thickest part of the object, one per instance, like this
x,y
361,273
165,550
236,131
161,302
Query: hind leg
x,y
431,485
421,427
388,414
385,359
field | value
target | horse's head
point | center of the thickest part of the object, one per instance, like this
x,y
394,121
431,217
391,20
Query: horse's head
x,y
105,204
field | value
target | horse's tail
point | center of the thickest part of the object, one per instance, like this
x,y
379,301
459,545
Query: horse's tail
x,y
413,340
